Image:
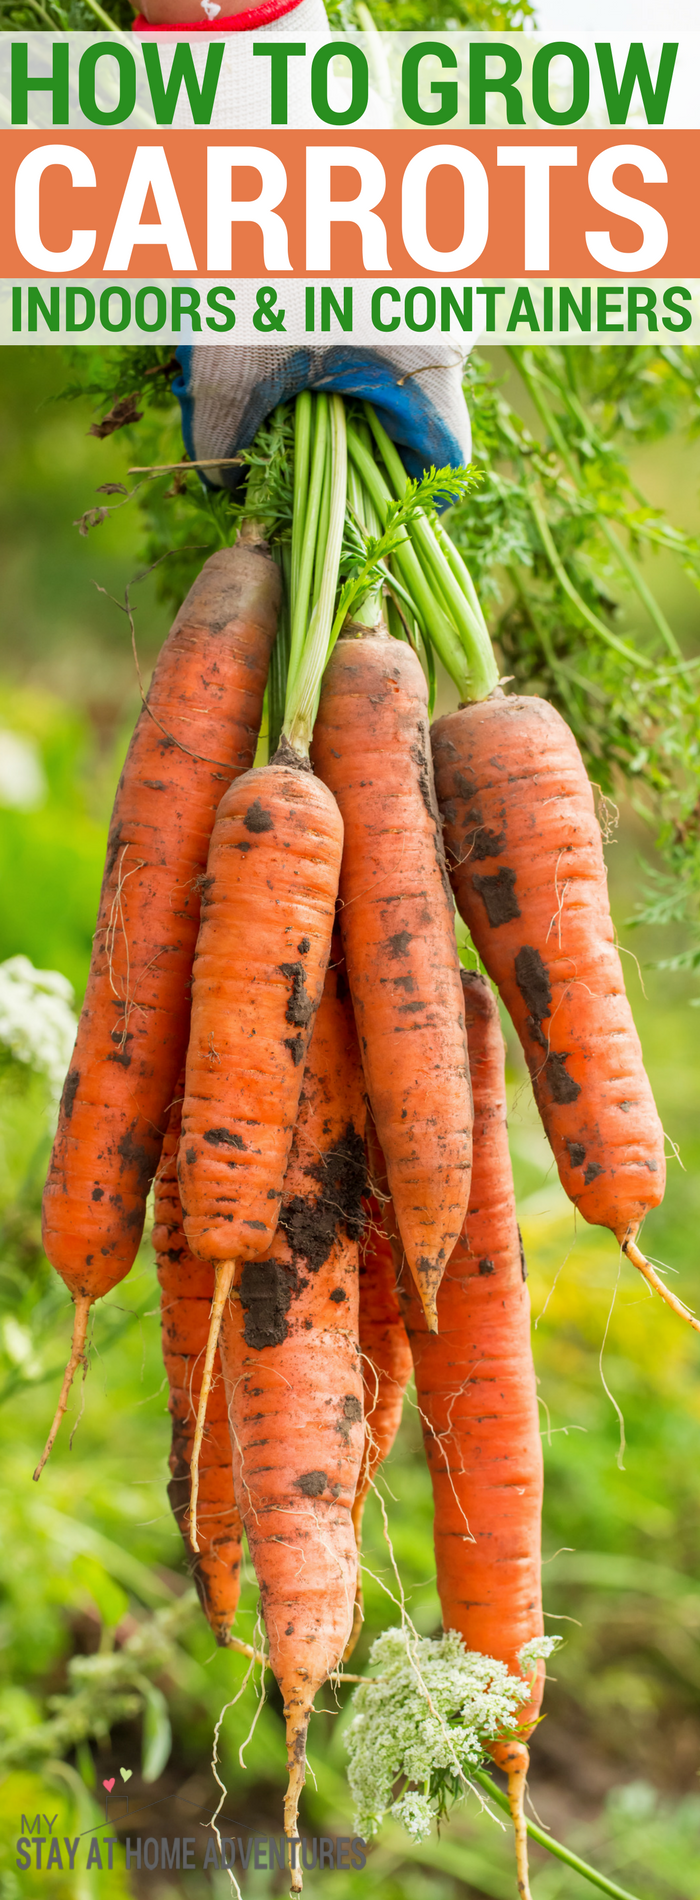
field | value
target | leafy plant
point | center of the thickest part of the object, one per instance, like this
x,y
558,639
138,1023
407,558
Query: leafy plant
x,y
424,1719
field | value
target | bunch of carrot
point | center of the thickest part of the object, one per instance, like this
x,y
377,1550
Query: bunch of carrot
x,y
287,933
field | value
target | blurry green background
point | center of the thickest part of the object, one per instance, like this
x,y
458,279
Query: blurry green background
x,y
91,1556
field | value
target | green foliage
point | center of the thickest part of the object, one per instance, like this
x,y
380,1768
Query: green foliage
x,y
74,16
554,537
423,1721
109,1687
436,16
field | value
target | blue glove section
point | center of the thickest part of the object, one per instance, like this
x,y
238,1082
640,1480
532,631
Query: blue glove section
x,y
425,434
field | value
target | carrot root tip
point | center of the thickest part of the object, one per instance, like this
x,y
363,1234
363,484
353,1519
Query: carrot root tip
x,y
297,1726
428,1298
77,1358
653,1279
514,1759
224,1272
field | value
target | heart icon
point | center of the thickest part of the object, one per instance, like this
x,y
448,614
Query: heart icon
x,y
126,1774
108,1785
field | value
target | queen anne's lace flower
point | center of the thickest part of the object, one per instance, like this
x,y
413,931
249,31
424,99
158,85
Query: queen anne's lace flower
x,y
37,1024
426,1722
539,1647
415,1812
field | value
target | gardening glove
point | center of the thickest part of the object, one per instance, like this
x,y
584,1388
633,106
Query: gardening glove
x,y
227,389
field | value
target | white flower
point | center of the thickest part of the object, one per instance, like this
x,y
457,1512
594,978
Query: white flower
x,y
539,1647
37,1023
22,779
427,1720
415,1812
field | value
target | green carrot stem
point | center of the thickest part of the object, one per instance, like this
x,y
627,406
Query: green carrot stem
x,y
395,623
553,1847
366,608
402,592
388,451
435,563
356,495
304,687
322,532
363,503
434,620
303,413
309,531
468,619
470,626
279,659
460,570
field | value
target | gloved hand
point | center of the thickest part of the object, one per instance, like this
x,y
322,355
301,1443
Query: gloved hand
x,y
227,389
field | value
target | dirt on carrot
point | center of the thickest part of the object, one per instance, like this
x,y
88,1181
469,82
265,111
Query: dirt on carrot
x,y
290,1353
475,1386
197,732
259,968
526,861
371,746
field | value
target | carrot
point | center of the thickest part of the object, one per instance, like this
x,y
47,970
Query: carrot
x,y
527,868
197,731
290,1354
386,1370
371,747
262,953
264,943
187,1286
476,1393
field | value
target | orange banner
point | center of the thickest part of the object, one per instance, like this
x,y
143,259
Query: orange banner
x,y
353,204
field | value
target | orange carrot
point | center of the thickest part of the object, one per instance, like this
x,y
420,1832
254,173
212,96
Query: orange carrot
x,y
386,1370
187,1286
290,1354
371,747
475,1383
197,731
527,868
262,952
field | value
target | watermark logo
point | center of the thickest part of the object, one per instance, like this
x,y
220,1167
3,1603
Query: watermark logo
x,y
159,1850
